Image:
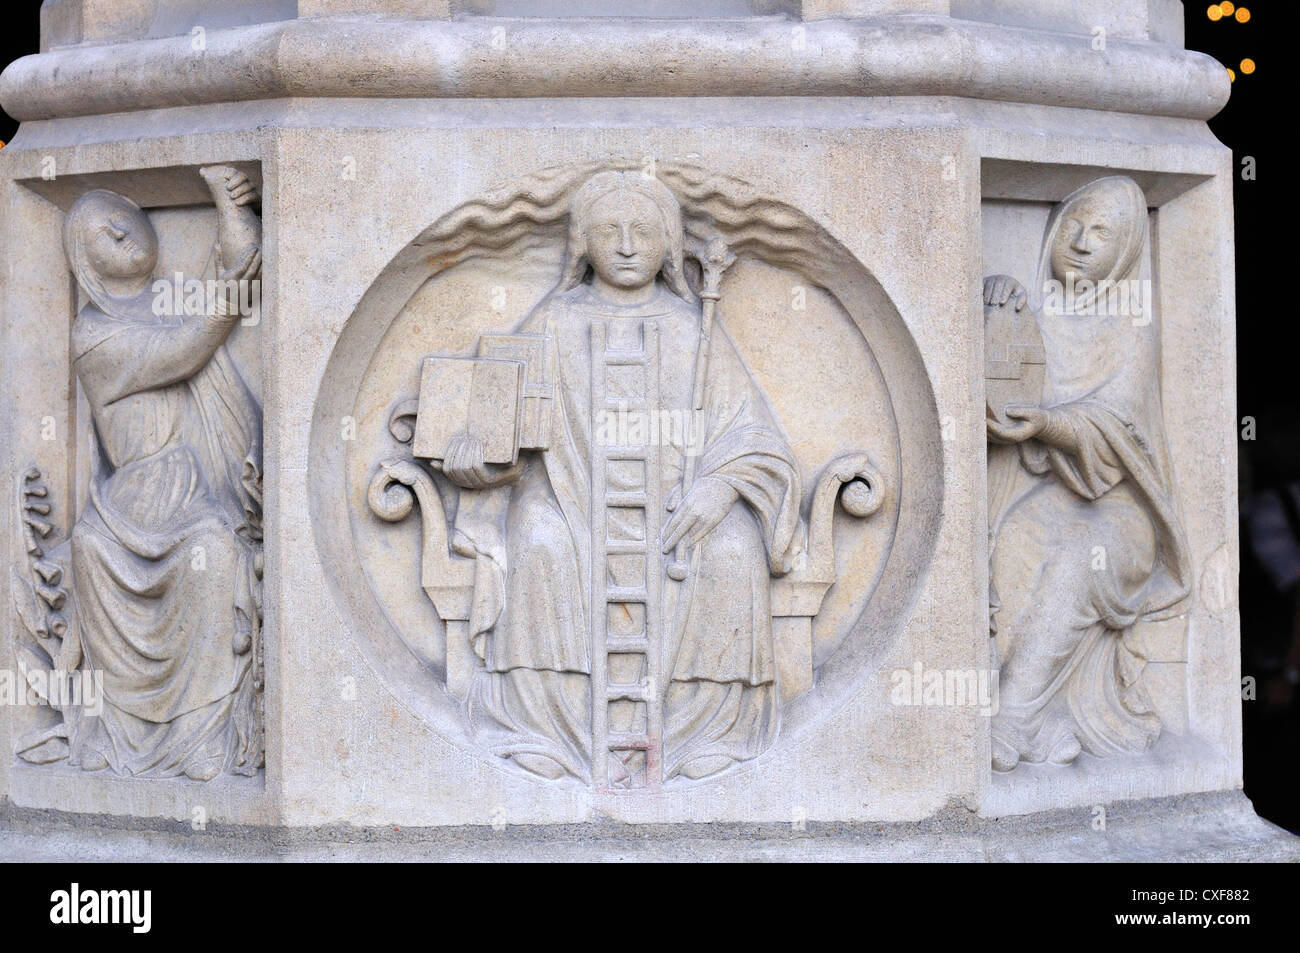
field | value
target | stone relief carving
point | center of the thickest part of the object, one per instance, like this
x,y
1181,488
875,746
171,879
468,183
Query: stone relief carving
x,y
1086,544
614,526
158,588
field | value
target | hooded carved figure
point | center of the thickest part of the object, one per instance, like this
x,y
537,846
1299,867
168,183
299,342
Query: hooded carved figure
x,y
1090,544
166,553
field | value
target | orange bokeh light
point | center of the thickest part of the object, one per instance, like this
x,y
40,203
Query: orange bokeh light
x,y
1214,13
1226,8
1248,66
1242,14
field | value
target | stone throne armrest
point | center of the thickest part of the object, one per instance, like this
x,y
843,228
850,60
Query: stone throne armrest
x,y
447,579
797,597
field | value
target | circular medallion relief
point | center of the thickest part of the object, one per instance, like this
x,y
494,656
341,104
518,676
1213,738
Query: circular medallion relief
x,y
644,476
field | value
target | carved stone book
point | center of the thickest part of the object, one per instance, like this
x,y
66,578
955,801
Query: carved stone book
x,y
534,352
1015,364
481,397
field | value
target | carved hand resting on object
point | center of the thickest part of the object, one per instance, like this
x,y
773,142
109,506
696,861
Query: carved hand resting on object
x,y
464,466
1027,423
705,506
1001,289
239,231
238,187
1034,422
247,267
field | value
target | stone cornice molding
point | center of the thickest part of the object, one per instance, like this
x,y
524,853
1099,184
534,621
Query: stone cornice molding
x,y
512,58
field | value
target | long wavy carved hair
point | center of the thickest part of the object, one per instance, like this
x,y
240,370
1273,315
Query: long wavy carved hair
x,y
576,263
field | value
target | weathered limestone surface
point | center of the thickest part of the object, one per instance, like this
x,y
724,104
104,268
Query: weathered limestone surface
x,y
1206,828
739,413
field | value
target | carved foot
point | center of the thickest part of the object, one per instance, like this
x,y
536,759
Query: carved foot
x,y
1065,750
1005,757
54,750
540,765
93,761
45,746
204,771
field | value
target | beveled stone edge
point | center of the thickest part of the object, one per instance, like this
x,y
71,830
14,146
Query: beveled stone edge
x,y
509,58
1219,826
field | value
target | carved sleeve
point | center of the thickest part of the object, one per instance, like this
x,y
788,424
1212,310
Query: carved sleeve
x,y
141,357
746,449
1085,444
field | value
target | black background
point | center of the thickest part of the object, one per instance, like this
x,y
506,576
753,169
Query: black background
x,y
1266,382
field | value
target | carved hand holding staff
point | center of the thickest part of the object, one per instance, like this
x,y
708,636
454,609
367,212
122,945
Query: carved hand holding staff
x,y
715,258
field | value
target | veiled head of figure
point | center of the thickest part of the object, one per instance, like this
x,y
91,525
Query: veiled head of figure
x,y
111,236
1096,230
627,228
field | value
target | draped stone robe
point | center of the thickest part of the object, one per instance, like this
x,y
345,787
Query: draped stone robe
x,y
1090,546
532,595
164,554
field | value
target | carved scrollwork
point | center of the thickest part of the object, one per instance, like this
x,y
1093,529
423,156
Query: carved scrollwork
x,y
391,494
401,423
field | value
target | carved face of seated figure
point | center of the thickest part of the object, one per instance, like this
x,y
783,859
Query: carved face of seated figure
x,y
125,244
1091,237
626,246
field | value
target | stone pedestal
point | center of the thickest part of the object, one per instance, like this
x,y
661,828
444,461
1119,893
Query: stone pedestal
x,y
418,635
